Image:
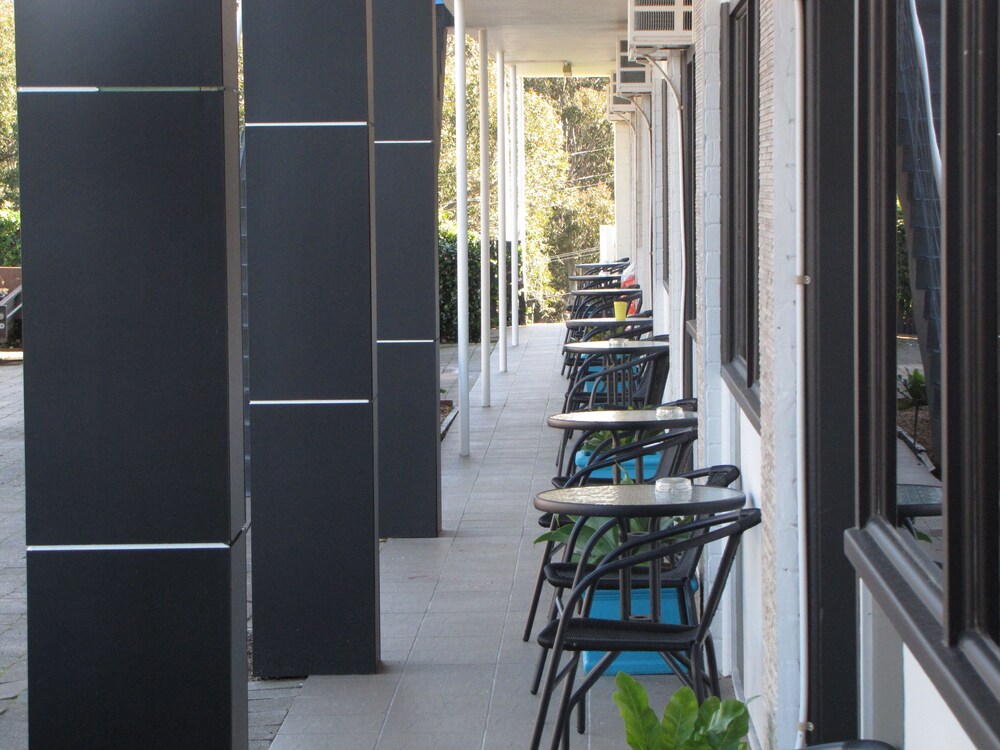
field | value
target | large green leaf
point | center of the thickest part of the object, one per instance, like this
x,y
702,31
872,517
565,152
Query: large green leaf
x,y
728,725
642,730
679,718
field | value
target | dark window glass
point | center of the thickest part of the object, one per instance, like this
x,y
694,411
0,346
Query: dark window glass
x,y
927,302
740,190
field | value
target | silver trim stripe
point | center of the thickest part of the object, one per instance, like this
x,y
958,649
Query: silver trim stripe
x,y
406,341
123,547
293,402
377,143
116,89
306,124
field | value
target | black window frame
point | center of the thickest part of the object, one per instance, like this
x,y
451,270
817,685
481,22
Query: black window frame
x,y
689,304
950,619
740,191
665,111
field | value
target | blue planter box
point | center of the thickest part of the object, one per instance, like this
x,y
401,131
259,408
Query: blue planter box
x,y
606,605
649,466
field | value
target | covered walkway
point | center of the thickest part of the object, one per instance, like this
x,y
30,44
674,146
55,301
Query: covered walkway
x,y
456,672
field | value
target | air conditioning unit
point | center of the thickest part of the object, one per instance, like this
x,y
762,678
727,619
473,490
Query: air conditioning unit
x,y
633,76
657,25
619,107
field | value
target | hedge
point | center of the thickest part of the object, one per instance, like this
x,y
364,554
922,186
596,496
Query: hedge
x,y
10,237
448,290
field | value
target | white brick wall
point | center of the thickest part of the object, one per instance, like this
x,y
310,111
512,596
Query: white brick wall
x,y
770,606
708,185
780,318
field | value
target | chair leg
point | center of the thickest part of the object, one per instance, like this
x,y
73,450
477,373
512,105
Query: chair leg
x,y
682,604
539,669
560,733
697,680
712,668
536,597
543,703
553,610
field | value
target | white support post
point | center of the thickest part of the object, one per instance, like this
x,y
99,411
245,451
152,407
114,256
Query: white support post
x,y
461,190
502,207
484,217
522,187
516,166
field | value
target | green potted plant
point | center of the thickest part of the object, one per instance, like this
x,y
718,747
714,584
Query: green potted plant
x,y
912,389
715,725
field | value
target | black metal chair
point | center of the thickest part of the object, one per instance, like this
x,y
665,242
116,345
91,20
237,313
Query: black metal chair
x,y
571,360
687,648
636,383
674,450
679,577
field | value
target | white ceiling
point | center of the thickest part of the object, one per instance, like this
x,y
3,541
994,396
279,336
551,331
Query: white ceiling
x,y
540,35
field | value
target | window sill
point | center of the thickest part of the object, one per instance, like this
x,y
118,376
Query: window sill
x,y
734,376
967,675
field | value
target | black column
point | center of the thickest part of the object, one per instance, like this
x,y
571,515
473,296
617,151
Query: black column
x,y
135,509
830,359
406,135
309,164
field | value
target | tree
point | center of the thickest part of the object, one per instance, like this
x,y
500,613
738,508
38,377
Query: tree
x,y
10,195
569,165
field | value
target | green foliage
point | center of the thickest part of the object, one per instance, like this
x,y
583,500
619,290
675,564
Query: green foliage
x,y
716,725
591,526
912,389
904,298
10,195
10,237
448,286
569,165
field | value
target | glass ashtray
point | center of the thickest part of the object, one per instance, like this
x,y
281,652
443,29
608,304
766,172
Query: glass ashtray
x,y
673,487
669,412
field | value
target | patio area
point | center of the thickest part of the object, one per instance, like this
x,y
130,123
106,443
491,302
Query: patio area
x,y
455,670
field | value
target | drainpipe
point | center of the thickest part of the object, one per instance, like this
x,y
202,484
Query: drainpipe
x,y
462,199
681,171
502,207
484,217
517,167
800,399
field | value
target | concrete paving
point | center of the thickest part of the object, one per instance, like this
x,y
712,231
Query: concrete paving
x,y
13,597
455,671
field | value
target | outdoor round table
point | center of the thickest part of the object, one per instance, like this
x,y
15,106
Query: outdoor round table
x,y
627,501
617,421
605,348
637,501
579,324
621,420
620,292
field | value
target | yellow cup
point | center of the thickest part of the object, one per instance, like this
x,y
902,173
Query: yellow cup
x,y
621,310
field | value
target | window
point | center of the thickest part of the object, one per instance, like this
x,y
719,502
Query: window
x,y
690,306
666,110
740,331
936,574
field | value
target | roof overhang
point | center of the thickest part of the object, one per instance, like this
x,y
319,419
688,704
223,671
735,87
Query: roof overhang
x,y
540,36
